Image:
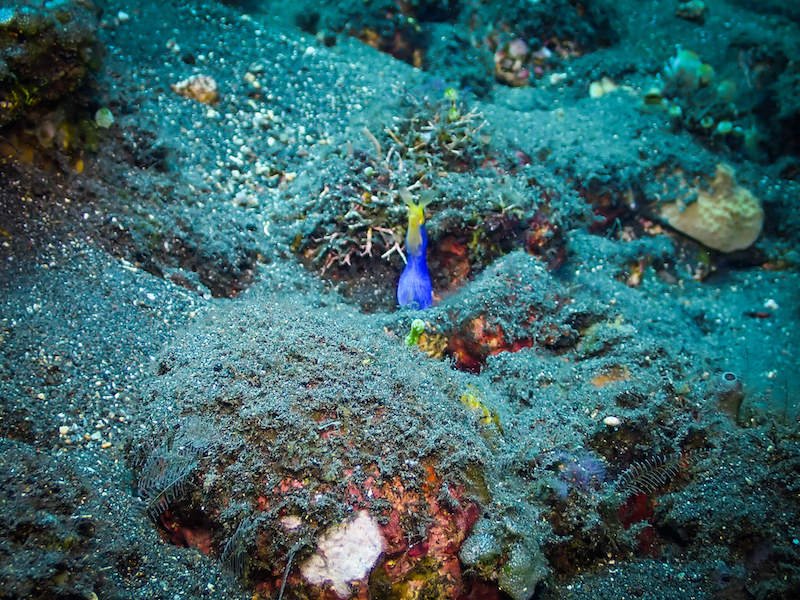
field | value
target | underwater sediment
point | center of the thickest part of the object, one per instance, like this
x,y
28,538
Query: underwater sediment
x,y
209,389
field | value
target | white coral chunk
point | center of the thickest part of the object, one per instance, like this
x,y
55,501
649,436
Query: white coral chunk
x,y
346,552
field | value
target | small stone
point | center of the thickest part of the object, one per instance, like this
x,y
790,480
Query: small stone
x,y
611,421
63,430
104,118
201,88
291,522
602,87
692,10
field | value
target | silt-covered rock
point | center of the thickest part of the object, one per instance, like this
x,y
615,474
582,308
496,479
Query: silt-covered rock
x,y
46,50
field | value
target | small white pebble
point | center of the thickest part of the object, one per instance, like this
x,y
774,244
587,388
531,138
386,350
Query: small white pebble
x,y
291,522
611,421
260,120
770,304
123,17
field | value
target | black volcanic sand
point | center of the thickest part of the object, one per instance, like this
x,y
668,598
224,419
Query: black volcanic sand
x,y
162,280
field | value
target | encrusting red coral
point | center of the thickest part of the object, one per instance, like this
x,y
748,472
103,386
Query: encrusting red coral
x,y
407,560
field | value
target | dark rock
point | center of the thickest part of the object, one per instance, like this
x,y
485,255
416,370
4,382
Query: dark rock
x,y
46,51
